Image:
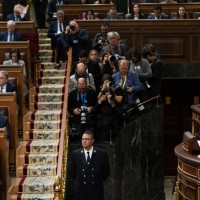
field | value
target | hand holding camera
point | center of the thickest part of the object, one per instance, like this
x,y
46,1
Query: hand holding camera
x,y
129,89
70,29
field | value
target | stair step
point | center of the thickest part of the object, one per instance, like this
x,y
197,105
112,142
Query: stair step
x,y
32,196
50,65
37,185
43,125
37,170
50,89
42,135
48,97
42,30
52,72
45,46
45,52
46,115
48,106
52,80
45,58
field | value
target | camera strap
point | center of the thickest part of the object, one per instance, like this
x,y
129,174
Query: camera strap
x,y
122,82
83,98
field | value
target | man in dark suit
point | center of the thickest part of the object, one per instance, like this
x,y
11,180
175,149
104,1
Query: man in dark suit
x,y
112,15
56,28
158,13
10,35
89,168
17,14
4,123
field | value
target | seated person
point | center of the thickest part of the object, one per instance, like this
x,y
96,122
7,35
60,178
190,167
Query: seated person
x,y
128,81
158,13
10,35
119,50
112,14
17,15
81,72
142,68
169,1
24,5
5,86
181,13
103,2
56,28
5,123
80,106
52,7
90,15
108,115
100,39
136,12
84,1
15,60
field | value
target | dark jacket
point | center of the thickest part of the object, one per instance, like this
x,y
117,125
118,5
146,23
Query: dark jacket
x,y
12,17
4,123
4,36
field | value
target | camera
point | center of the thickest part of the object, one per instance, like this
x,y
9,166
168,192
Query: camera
x,y
83,113
103,39
139,104
112,58
72,28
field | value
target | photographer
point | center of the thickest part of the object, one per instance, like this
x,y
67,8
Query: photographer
x,y
142,67
80,106
108,115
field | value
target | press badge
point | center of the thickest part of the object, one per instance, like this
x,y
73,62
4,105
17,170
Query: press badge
x,y
75,41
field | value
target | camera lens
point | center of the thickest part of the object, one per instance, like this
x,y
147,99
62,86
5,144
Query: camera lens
x,y
112,58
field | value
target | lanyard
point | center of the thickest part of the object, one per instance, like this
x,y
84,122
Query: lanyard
x,y
122,83
83,98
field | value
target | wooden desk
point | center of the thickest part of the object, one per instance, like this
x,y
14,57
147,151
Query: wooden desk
x,y
74,11
177,41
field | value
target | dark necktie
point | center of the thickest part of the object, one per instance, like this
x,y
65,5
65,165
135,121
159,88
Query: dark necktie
x,y
60,25
1,89
88,158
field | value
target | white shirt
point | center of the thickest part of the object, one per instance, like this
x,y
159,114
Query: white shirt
x,y
90,153
3,89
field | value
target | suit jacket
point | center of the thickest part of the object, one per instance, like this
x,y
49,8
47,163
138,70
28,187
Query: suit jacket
x,y
117,17
162,16
89,177
12,17
12,88
53,28
4,123
4,36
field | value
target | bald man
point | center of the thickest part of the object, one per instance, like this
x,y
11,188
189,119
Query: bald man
x,y
81,72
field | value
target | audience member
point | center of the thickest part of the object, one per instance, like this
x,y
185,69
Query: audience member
x,y
142,67
5,123
114,46
169,1
109,63
181,13
103,2
52,7
24,5
80,106
75,37
81,72
108,115
128,81
40,8
84,1
157,68
100,39
136,12
90,15
89,168
112,15
158,13
56,28
17,15
15,59
10,35
5,86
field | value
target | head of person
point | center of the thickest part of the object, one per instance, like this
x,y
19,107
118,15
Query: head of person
x,y
112,13
113,38
148,54
74,25
123,67
11,26
136,9
104,1
107,80
87,140
81,85
157,11
93,55
17,10
104,28
15,55
60,15
134,54
109,93
83,1
80,70
83,57
181,13
3,78
90,14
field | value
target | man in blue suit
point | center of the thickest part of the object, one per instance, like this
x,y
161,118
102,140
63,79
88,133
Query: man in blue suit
x,y
158,13
10,35
17,14
89,168
4,123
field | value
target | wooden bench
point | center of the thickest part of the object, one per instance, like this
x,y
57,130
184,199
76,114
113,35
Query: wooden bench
x,y
8,101
177,41
74,11
17,72
4,172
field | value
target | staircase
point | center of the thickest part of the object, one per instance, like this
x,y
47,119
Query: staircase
x,y
37,155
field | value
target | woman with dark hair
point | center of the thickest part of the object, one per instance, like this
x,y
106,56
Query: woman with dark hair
x,y
181,13
136,12
90,15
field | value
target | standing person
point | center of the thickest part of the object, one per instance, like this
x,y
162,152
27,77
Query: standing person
x,y
40,12
89,168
